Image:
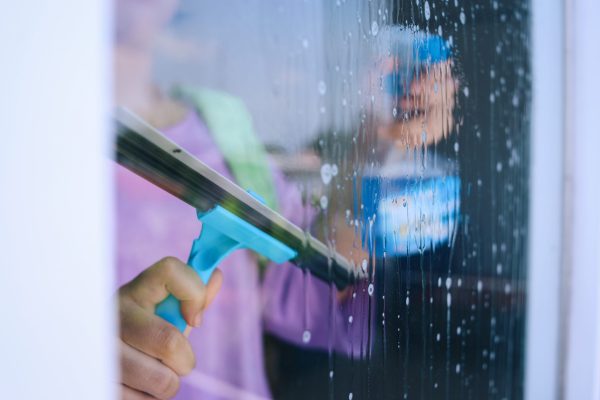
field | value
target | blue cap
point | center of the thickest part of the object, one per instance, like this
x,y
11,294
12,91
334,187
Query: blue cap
x,y
428,49
433,49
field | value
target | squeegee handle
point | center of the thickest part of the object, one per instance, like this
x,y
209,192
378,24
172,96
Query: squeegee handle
x,y
222,232
207,252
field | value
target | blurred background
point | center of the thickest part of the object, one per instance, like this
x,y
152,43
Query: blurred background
x,y
446,148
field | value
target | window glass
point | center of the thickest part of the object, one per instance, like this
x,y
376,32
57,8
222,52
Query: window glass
x,y
396,132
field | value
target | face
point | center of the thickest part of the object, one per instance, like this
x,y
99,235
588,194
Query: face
x,y
138,22
426,115
413,109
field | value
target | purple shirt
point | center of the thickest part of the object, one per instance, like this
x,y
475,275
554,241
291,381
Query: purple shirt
x,y
152,224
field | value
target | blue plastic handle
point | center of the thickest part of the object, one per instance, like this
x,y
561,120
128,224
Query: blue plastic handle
x,y
222,233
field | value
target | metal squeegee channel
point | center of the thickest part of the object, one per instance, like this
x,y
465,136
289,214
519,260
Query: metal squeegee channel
x,y
149,154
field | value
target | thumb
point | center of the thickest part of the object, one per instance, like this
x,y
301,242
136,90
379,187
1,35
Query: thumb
x,y
172,276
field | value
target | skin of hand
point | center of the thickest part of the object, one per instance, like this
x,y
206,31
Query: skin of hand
x,y
153,353
429,108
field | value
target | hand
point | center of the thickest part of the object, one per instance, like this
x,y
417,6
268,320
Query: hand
x,y
429,108
153,353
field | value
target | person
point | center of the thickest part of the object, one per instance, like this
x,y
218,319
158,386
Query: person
x,y
223,358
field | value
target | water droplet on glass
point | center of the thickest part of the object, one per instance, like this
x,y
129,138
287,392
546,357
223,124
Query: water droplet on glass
x,y
440,281
449,299
334,170
456,147
499,166
350,396
407,301
507,288
326,174
492,98
305,43
322,87
479,286
448,283
458,368
515,101
331,374
370,289
364,264
306,336
350,319
324,202
395,112
438,337
499,268
427,11
458,330
466,91
374,28
463,17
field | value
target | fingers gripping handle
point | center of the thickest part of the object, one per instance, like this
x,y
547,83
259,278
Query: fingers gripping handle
x,y
207,252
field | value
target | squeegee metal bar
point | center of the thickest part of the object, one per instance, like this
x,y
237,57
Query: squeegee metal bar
x,y
148,153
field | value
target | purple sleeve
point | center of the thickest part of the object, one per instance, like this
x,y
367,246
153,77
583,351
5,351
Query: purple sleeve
x,y
302,309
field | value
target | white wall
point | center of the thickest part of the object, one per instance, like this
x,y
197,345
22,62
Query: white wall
x,y
55,217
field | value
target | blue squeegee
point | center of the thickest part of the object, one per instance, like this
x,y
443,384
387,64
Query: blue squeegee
x,y
232,218
222,233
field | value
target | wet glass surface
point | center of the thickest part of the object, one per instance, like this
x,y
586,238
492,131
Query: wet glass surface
x,y
403,129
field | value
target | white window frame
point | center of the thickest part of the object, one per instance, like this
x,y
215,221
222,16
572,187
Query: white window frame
x,y
581,316
546,202
563,309
58,330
